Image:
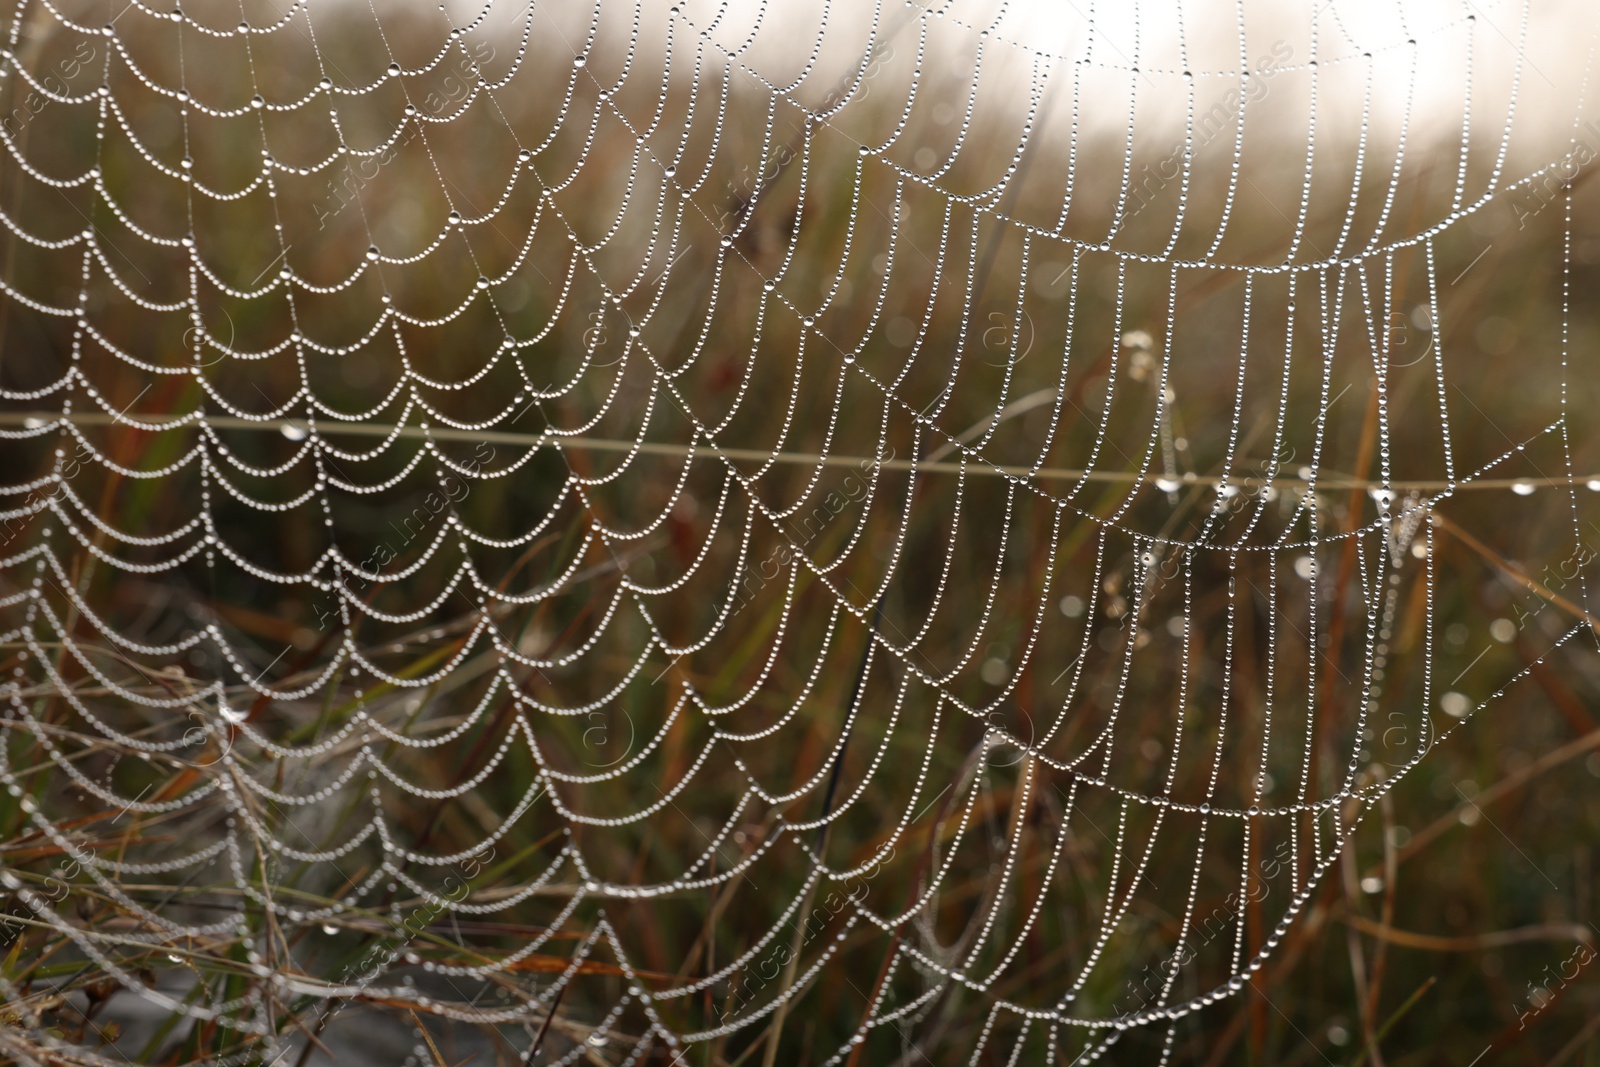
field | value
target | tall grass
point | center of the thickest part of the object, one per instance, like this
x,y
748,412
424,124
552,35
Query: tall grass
x,y
1450,923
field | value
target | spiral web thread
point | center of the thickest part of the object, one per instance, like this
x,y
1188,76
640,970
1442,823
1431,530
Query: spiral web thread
x,y
642,458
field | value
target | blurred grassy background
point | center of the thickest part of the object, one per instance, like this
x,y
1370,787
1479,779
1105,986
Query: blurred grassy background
x,y
1463,902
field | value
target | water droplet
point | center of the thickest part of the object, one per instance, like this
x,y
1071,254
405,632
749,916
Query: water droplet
x,y
1168,485
1522,488
293,431
329,929
579,61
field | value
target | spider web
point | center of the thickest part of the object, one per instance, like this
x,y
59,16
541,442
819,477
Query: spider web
x,y
490,490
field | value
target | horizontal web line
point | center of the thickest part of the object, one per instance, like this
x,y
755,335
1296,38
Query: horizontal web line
x,y
655,448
